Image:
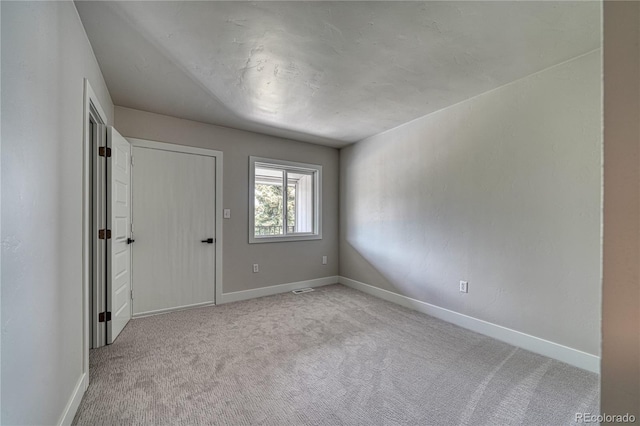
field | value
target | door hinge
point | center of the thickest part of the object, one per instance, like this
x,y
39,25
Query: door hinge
x,y
132,160
104,316
104,151
131,294
104,234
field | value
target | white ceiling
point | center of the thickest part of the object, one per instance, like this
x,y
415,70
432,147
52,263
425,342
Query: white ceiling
x,y
325,72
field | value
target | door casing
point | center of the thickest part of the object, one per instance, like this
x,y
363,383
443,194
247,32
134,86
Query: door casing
x,y
93,110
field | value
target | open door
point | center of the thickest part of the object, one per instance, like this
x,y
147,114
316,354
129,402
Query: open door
x,y
119,245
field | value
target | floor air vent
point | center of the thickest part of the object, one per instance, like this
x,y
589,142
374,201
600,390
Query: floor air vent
x,y
302,290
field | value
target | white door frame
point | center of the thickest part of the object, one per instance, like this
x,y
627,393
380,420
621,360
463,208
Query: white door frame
x,y
163,146
88,237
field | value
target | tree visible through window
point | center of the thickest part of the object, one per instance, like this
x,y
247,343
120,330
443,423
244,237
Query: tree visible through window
x,y
270,219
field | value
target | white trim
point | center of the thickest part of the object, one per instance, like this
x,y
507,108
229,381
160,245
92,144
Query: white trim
x,y
74,402
531,343
167,310
163,146
218,155
317,200
91,95
237,296
90,98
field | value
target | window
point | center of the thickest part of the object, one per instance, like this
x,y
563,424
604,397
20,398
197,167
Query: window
x,y
279,214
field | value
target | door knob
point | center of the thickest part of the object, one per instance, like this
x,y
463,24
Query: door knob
x,y
208,241
130,241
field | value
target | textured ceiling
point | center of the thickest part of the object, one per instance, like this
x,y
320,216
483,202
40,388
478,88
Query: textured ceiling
x,y
325,72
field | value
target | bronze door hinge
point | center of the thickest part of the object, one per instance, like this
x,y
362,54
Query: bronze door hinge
x,y
103,151
104,234
104,316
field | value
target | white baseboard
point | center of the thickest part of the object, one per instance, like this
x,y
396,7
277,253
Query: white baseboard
x,y
74,402
237,296
540,346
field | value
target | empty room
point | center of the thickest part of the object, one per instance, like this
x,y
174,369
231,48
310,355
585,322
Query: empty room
x,y
320,213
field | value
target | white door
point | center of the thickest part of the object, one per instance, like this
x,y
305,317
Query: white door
x,y
174,224
119,222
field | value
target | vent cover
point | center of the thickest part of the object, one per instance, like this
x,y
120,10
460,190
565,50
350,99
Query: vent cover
x,y
302,290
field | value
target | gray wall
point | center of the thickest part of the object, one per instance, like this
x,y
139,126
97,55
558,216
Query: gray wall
x,y
45,56
502,190
620,366
281,262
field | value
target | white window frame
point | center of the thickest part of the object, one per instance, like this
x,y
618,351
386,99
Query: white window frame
x,y
290,166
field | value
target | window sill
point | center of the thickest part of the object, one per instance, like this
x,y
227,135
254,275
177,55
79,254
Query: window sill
x,y
284,238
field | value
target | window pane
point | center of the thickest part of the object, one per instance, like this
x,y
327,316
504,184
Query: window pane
x,y
300,214
269,216
291,208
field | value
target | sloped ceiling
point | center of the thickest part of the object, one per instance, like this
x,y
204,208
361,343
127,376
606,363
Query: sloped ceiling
x,y
325,72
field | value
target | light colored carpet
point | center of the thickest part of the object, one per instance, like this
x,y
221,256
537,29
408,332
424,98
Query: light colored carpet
x,y
335,356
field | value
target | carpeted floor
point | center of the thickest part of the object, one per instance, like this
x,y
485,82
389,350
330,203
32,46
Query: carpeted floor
x,y
334,356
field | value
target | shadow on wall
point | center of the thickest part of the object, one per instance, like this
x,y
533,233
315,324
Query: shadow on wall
x,y
375,275
411,222
502,191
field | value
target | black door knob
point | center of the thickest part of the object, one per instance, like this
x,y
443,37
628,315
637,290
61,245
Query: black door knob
x,y
130,241
208,241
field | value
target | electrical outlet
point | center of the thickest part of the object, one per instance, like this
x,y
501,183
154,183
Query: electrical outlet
x,y
324,260
226,213
464,287
256,267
